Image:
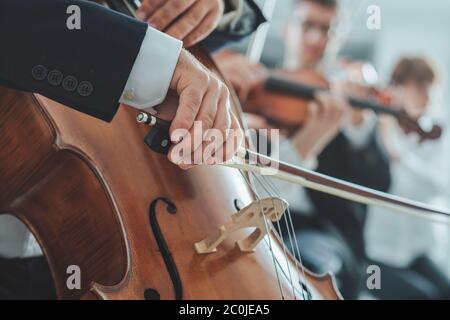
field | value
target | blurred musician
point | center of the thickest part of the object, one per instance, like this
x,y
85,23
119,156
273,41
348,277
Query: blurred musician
x,y
409,271
333,140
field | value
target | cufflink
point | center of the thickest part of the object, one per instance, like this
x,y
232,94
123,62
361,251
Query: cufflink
x,y
39,72
129,95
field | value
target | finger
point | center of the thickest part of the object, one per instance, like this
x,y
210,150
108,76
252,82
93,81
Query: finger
x,y
330,109
208,112
165,15
260,71
208,24
240,83
223,117
341,108
205,118
222,122
212,147
236,80
313,112
247,82
191,19
237,138
322,106
189,105
147,8
231,146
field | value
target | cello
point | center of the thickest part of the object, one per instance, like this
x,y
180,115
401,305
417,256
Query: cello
x,y
94,196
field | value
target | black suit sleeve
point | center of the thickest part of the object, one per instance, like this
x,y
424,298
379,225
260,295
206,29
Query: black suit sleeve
x,y
85,69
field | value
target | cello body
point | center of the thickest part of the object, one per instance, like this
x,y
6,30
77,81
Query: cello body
x,y
96,197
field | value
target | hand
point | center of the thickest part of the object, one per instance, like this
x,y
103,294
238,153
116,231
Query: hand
x,y
387,129
324,121
242,74
358,90
188,20
203,97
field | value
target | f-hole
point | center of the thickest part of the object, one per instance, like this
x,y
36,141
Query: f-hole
x,y
163,247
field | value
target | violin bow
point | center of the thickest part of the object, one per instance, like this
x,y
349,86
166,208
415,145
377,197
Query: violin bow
x,y
253,162
267,166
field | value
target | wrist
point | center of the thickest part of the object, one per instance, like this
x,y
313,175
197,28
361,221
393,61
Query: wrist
x,y
181,66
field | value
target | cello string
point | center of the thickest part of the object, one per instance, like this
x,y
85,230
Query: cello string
x,y
266,188
254,53
291,232
281,235
265,183
299,272
268,242
261,183
273,253
295,248
302,271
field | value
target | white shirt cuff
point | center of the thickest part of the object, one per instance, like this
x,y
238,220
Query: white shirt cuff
x,y
152,71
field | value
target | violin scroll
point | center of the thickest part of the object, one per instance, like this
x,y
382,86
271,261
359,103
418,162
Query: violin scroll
x,y
424,127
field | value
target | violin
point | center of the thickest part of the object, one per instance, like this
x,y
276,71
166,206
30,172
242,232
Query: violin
x,y
284,97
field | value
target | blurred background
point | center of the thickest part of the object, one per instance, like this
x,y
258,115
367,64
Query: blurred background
x,y
408,28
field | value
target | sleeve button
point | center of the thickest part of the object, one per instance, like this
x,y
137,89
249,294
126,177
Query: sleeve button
x,y
70,83
55,77
85,88
39,72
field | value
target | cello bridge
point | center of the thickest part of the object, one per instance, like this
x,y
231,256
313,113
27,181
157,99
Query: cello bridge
x,y
256,215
